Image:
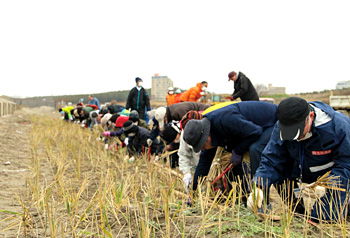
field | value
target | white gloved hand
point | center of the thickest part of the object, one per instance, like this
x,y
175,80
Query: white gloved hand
x,y
255,200
126,158
187,179
126,141
83,125
201,93
132,159
156,158
149,142
106,146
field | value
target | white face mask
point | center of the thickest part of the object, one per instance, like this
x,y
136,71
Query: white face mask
x,y
171,92
132,134
140,84
204,88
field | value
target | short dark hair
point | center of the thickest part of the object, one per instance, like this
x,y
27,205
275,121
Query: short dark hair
x,y
203,82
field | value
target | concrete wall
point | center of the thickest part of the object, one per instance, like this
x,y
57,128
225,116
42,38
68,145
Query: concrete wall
x,y
7,107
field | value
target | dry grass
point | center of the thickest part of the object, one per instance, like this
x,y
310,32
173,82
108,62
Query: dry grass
x,y
76,188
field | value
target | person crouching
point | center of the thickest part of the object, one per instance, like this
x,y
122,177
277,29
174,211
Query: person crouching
x,y
137,140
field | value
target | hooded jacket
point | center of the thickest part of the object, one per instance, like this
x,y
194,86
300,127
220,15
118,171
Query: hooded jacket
x,y
138,100
326,150
244,89
193,94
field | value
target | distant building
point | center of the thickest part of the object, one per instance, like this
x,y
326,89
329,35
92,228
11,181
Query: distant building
x,y
160,85
271,90
343,84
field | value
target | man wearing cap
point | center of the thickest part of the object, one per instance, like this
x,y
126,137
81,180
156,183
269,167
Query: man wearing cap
x,y
170,97
138,99
309,140
238,127
244,89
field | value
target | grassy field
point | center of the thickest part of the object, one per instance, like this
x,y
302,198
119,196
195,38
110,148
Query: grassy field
x,y
76,188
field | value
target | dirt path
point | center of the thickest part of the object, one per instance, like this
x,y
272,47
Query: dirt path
x,y
15,160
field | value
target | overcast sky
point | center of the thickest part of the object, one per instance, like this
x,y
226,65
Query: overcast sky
x,y
81,47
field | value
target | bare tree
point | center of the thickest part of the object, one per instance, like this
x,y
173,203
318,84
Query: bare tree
x,y
261,89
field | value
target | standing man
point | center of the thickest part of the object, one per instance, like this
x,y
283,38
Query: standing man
x,y
238,127
138,99
194,93
309,140
244,89
94,101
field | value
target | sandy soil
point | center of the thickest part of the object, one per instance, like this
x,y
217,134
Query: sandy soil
x,y
14,161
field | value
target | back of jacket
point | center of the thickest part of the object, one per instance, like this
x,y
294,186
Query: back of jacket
x,y
244,89
192,95
177,111
238,125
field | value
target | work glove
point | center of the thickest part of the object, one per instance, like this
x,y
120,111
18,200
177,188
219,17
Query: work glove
x,y
187,179
232,98
149,142
106,133
131,160
126,158
156,158
235,159
106,146
255,199
201,93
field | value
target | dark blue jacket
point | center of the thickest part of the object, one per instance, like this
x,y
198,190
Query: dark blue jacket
x,y
327,149
238,125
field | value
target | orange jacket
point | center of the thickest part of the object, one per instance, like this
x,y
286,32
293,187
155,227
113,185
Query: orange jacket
x,y
170,99
193,94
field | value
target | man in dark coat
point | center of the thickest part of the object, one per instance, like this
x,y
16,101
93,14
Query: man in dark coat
x,y
244,89
309,140
138,139
138,99
238,127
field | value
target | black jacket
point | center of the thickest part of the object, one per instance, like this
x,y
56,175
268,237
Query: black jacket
x,y
138,100
115,108
244,89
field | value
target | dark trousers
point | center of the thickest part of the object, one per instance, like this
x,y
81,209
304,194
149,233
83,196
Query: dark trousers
x,y
256,149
